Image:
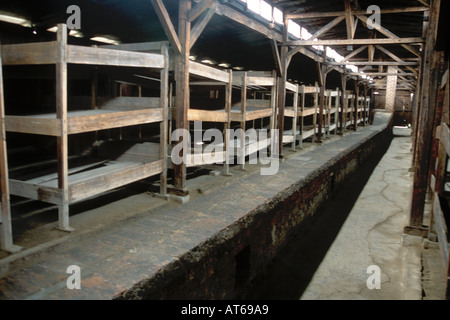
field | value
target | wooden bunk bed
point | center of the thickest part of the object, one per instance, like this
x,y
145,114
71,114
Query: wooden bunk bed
x,y
307,111
248,109
138,161
363,110
290,135
347,110
332,110
212,78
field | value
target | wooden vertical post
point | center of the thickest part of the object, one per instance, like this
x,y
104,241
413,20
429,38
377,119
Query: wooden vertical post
x,y
336,112
62,139
316,105
365,105
273,103
302,117
431,62
356,104
243,109
164,104
422,163
329,112
182,91
344,103
6,234
227,125
294,119
281,92
323,77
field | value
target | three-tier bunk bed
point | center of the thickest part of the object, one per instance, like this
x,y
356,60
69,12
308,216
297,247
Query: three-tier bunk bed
x,y
115,163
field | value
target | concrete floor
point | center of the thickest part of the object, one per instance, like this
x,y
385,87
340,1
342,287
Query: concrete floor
x,y
361,227
372,235
329,263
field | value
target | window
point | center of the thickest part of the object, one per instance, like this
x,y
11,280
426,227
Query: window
x,y
278,15
294,29
266,10
254,5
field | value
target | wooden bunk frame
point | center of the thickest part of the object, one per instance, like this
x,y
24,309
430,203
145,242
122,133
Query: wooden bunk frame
x,y
215,77
68,186
290,136
307,112
253,109
332,107
347,110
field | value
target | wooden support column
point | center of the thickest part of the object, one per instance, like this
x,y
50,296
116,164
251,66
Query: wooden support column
x,y
427,104
294,119
422,163
62,139
281,88
164,102
355,105
344,104
336,113
418,91
6,234
323,79
316,105
227,125
365,106
182,92
328,113
241,155
302,109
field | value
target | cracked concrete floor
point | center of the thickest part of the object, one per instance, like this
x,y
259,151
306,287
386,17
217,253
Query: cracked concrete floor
x,y
372,235
360,226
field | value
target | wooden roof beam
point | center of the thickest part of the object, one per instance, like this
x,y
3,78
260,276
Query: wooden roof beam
x,y
345,42
167,25
387,33
312,15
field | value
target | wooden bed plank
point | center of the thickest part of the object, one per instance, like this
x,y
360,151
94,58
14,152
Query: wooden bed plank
x,y
131,103
36,192
291,87
307,112
108,120
200,159
110,57
260,81
29,53
92,187
54,176
289,112
207,115
211,73
33,125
